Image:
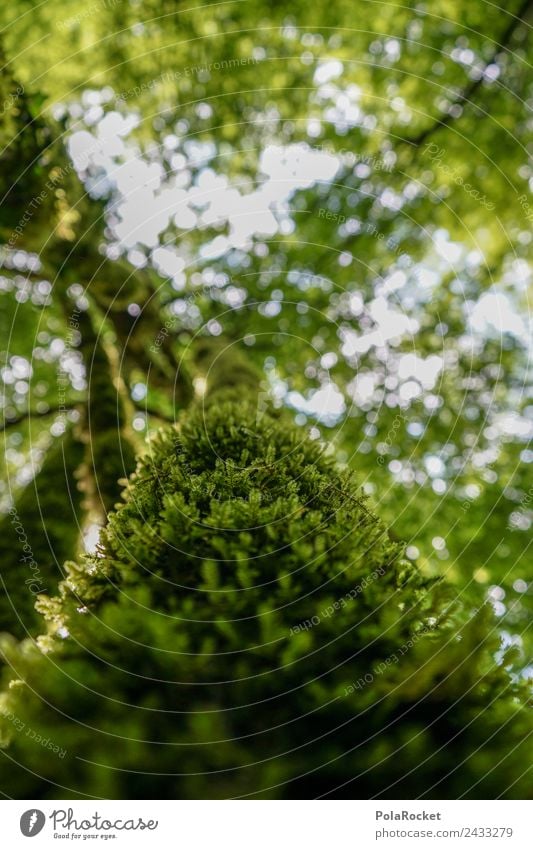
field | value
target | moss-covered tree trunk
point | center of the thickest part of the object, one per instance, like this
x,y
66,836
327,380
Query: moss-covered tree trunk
x,y
248,628
40,531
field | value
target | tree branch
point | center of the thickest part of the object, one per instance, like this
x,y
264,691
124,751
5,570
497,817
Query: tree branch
x,y
469,91
7,423
150,411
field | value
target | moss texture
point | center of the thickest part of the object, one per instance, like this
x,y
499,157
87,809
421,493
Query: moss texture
x,y
248,628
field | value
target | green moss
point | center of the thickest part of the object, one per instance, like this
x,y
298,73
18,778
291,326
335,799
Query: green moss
x,y
249,628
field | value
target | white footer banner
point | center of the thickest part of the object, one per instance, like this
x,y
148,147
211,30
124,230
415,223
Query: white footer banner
x,y
164,824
